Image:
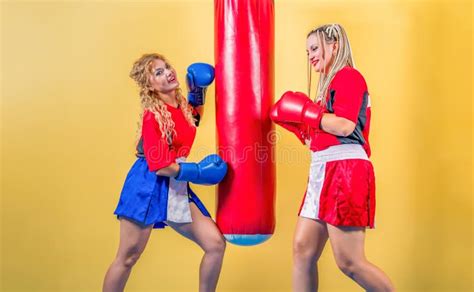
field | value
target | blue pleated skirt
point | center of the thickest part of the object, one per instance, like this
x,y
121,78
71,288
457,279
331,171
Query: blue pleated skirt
x,y
144,197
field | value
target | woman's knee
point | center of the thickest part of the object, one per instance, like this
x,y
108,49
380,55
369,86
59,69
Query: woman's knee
x,y
129,258
215,245
348,265
303,250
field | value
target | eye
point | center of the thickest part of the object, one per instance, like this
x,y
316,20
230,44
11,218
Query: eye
x,y
159,72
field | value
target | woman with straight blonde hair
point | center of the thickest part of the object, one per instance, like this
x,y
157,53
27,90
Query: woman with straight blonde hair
x,y
339,203
156,191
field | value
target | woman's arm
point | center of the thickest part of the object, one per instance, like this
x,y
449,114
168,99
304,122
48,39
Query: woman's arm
x,y
336,125
170,170
200,110
350,90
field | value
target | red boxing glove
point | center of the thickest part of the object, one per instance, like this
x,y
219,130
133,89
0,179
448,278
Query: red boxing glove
x,y
297,128
296,107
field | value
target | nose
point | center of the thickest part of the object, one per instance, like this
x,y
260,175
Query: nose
x,y
169,72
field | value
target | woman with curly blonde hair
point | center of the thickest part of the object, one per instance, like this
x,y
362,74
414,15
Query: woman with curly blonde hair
x,y
339,203
156,192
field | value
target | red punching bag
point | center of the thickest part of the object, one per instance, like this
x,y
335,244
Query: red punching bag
x,y
244,57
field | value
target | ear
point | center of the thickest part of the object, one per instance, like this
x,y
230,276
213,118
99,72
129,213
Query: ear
x,y
335,48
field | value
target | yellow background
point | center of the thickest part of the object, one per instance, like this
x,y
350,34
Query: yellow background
x,y
69,114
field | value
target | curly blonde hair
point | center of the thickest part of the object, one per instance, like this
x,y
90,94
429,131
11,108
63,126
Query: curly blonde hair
x,y
331,33
150,100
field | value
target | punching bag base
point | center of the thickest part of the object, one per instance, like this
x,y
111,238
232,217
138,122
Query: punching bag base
x,y
247,239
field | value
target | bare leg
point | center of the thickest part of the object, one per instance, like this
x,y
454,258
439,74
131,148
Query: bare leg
x,y
133,239
205,233
348,247
308,244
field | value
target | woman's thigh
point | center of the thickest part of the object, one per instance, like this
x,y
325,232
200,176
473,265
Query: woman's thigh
x,y
133,238
310,237
203,230
347,243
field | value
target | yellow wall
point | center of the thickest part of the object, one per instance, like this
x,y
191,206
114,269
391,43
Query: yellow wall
x,y
69,116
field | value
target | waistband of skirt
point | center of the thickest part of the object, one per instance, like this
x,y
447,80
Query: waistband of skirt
x,y
177,160
339,152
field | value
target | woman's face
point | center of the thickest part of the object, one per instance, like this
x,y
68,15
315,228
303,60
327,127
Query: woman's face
x,y
163,77
321,62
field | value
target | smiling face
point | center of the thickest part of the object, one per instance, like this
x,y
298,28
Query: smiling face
x,y
321,54
162,77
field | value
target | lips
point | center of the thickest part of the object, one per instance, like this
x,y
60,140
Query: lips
x,y
171,79
314,62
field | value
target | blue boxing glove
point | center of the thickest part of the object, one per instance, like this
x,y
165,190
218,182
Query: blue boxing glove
x,y
209,171
199,77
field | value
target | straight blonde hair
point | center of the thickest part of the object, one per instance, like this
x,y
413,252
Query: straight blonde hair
x,y
329,34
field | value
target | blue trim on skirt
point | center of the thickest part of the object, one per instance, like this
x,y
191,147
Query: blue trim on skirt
x,y
144,197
